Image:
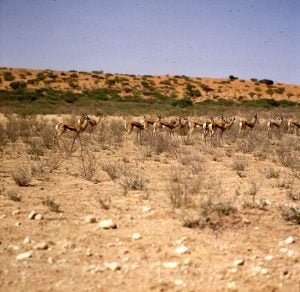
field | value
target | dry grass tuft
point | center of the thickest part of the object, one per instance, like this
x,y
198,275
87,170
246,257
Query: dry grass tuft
x,y
22,176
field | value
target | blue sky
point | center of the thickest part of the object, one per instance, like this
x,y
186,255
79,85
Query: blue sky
x,y
204,38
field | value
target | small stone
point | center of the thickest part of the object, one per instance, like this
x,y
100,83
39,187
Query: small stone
x,y
233,270
261,270
113,266
88,252
290,253
238,262
181,249
232,286
178,282
24,255
136,236
2,216
284,250
32,215
246,221
146,209
170,265
16,212
181,240
107,224
90,219
27,240
264,271
38,217
41,246
187,261
269,258
14,247
289,240
18,223
50,261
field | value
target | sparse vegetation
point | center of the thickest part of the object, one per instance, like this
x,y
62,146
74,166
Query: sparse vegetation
x,y
51,204
22,176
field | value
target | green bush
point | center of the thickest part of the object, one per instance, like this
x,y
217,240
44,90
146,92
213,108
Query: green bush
x,y
266,81
184,102
8,76
18,85
231,77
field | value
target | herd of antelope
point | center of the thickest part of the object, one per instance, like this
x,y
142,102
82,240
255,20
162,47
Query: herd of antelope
x,y
181,126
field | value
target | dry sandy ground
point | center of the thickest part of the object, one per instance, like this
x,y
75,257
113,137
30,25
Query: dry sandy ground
x,y
78,254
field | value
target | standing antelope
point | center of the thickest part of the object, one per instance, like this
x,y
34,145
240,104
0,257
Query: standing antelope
x,y
93,121
134,125
61,128
159,125
222,124
245,123
148,123
208,124
293,125
196,124
274,123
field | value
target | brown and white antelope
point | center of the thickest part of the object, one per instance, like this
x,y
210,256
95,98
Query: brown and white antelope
x,y
277,123
148,123
244,124
196,124
220,123
61,128
134,125
293,126
160,125
93,120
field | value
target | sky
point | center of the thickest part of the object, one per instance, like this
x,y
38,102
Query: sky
x,y
203,38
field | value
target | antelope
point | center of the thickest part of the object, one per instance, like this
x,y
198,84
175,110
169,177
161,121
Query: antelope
x,y
222,124
245,123
134,125
160,125
93,121
274,123
195,124
293,125
182,127
61,128
206,126
148,123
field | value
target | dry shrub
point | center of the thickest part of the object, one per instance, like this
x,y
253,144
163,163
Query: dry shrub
x,y
22,175
212,213
3,138
113,169
110,133
51,204
272,173
192,161
47,132
239,163
36,147
158,143
286,157
246,145
25,128
291,213
14,196
89,164
104,202
251,193
292,194
133,181
12,129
